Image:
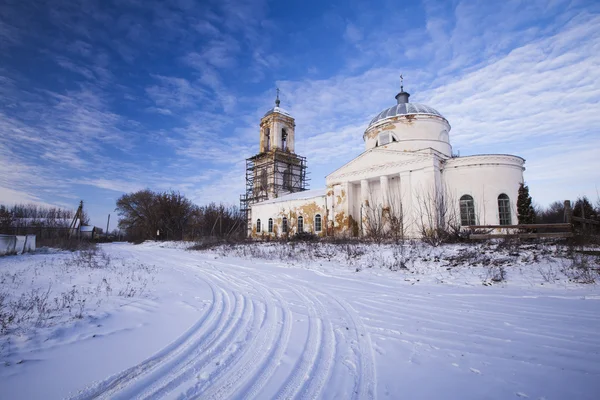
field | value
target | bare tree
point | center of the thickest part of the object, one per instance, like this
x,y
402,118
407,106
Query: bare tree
x,y
384,221
438,220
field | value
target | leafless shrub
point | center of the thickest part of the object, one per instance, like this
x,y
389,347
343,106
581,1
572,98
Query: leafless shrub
x,y
549,273
383,221
582,268
437,218
496,274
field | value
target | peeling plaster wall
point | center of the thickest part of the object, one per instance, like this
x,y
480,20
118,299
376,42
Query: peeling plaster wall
x,y
292,209
413,132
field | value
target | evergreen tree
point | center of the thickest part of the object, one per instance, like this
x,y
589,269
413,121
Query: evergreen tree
x,y
584,209
525,210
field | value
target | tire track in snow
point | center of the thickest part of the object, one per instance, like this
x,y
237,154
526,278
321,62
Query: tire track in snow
x,y
206,352
365,376
367,380
110,387
312,371
261,359
246,342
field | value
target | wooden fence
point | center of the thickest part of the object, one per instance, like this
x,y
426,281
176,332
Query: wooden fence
x,y
534,231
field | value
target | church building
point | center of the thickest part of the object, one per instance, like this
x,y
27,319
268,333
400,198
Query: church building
x,y
407,182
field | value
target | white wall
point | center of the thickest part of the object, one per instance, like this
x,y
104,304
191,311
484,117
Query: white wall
x,y
16,244
485,178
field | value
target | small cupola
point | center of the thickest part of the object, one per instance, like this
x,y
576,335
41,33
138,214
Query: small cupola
x,y
402,97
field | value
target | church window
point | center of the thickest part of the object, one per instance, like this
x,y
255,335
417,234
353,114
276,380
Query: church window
x,y
267,139
284,139
384,138
318,223
284,225
504,209
270,226
300,224
258,225
467,211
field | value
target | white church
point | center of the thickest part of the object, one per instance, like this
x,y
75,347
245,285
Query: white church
x,y
407,181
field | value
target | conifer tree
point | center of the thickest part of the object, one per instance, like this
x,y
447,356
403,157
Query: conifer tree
x,y
583,208
525,210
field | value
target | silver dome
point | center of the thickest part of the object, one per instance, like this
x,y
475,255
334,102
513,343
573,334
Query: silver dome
x,y
279,110
404,109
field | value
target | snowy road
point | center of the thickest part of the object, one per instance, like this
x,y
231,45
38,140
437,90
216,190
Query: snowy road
x,y
265,334
260,329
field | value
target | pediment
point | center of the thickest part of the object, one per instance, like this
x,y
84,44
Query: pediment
x,y
378,159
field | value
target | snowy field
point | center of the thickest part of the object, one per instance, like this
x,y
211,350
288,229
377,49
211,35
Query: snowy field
x,y
300,321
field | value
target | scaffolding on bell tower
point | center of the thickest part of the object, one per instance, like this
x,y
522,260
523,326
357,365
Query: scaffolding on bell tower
x,y
271,175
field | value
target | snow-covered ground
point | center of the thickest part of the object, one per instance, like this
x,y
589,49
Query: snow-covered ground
x,y
302,321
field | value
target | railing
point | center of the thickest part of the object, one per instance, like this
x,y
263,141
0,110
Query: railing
x,y
522,231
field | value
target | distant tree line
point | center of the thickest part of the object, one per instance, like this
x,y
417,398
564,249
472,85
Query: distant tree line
x,y
34,211
582,207
33,215
171,216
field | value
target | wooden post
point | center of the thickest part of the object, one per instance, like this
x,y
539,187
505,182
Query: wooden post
x,y
568,211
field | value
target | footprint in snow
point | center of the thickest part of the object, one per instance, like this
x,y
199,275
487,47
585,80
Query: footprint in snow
x,y
475,371
455,365
521,394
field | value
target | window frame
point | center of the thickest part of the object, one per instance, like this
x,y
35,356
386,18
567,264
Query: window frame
x,y
270,225
284,225
504,211
300,224
467,210
387,135
258,225
318,223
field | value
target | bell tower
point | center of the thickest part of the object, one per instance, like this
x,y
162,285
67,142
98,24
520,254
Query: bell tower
x,y
276,170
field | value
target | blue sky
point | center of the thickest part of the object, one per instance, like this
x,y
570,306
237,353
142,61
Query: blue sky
x,y
101,98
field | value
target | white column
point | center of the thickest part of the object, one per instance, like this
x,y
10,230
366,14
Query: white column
x,y
364,197
385,191
364,191
407,202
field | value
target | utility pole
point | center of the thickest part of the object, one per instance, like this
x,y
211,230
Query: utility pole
x,y
107,222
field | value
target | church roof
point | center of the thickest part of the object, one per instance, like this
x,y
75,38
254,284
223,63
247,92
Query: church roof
x,y
278,110
404,109
303,195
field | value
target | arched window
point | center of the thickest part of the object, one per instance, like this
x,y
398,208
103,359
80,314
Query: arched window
x,y
284,225
467,211
504,209
267,139
284,139
318,223
300,224
258,225
270,226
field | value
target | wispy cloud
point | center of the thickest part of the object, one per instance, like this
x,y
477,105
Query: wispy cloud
x,y
117,96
